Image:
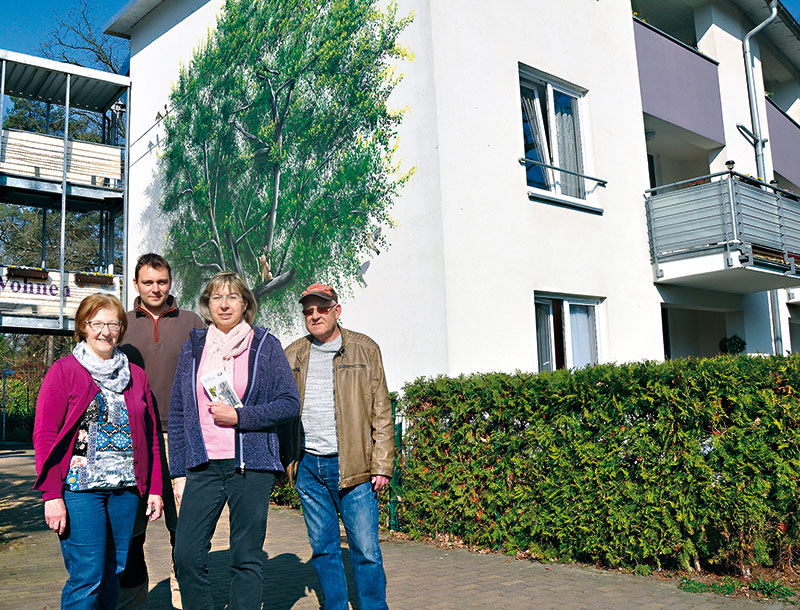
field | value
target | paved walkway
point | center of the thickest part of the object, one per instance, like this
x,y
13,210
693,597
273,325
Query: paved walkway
x,y
419,575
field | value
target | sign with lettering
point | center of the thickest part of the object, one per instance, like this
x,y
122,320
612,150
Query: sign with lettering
x,y
35,293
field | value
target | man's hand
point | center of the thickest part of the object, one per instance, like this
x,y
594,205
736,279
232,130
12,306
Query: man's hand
x,y
223,414
178,483
155,506
55,515
379,482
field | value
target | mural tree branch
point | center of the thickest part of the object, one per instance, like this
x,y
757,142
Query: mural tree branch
x,y
278,154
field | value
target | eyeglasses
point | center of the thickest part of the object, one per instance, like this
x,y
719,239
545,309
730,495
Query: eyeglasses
x,y
320,310
217,299
98,325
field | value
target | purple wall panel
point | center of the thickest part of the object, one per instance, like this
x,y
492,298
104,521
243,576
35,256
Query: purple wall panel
x,y
678,85
784,142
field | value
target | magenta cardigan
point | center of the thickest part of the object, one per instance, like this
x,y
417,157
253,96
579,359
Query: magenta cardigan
x,y
67,389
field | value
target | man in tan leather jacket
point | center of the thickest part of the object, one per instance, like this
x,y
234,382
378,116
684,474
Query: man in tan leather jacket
x,y
341,450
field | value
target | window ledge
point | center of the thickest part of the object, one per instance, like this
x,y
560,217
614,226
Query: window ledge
x,y
563,201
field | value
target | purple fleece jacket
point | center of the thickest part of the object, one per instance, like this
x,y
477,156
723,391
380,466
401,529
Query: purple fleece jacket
x,y
67,389
270,399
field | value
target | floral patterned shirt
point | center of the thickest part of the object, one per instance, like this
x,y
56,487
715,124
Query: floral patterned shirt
x,y
102,457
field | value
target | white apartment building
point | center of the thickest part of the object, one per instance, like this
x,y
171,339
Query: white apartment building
x,y
543,227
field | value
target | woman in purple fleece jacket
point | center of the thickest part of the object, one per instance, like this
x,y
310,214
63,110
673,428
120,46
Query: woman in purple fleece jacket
x,y
218,453
96,453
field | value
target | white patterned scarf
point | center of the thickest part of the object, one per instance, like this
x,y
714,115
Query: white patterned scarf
x,y
113,374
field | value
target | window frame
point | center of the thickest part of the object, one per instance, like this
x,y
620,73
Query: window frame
x,y
528,78
564,303
548,303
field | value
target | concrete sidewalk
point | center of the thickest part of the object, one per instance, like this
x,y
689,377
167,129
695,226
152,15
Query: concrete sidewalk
x,y
419,575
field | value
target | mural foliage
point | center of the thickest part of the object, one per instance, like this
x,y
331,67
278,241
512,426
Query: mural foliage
x,y
278,159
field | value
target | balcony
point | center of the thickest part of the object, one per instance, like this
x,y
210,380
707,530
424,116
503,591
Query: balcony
x,y
724,232
784,142
679,84
37,155
70,196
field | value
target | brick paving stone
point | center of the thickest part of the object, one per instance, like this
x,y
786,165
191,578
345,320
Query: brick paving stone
x,y
419,576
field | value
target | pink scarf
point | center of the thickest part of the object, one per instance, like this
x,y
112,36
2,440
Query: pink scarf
x,y
221,348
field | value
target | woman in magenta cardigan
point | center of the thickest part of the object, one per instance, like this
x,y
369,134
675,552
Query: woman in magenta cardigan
x,y
96,453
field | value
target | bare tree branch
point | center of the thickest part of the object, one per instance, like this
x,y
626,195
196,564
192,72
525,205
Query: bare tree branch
x,y
274,284
237,261
212,208
75,40
213,266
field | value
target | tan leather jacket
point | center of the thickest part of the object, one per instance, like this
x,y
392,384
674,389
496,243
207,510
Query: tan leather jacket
x,y
364,427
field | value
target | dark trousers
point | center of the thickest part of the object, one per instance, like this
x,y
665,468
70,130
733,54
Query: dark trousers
x,y
207,489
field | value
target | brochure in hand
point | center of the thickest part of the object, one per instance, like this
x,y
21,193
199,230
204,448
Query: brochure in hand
x,y
220,389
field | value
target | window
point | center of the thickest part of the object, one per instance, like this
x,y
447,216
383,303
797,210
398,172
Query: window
x,y
551,129
566,332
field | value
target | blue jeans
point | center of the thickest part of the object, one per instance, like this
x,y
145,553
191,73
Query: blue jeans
x,y
207,489
318,487
95,545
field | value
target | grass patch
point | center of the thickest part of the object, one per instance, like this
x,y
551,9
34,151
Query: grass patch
x,y
771,588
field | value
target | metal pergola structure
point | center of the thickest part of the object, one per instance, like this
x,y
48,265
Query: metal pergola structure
x,y
73,87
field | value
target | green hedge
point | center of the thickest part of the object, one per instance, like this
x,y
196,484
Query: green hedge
x,y
644,464
19,424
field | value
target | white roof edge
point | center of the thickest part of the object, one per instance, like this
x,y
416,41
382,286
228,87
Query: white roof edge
x,y
65,68
128,16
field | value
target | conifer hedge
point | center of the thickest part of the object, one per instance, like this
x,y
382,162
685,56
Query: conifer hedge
x,y
646,464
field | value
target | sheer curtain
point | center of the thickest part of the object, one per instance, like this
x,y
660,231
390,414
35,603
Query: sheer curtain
x,y
535,138
582,329
568,144
544,336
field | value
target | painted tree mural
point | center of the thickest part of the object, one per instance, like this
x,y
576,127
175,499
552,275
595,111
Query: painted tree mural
x,y
278,159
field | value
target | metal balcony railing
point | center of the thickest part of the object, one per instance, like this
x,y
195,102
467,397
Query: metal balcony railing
x,y
37,155
728,212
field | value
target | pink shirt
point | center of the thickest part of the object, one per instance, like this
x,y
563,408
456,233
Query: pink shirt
x,y
220,441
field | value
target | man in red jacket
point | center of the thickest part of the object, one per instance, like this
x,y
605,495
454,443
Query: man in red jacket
x,y
157,329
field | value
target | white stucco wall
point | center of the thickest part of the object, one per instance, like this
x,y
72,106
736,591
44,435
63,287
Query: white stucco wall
x,y
500,247
721,29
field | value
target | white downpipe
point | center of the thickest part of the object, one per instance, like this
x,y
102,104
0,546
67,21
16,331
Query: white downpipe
x,y
759,141
758,144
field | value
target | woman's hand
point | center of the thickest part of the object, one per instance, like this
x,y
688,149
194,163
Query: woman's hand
x,y
55,515
178,483
155,506
223,414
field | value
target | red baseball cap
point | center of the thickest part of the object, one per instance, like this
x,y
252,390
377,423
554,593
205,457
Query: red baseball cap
x,y
320,290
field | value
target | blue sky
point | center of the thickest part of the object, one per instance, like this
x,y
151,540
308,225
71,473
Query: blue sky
x,y
29,22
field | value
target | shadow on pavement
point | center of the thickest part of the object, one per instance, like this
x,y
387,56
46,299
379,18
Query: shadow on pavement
x,y
286,581
21,509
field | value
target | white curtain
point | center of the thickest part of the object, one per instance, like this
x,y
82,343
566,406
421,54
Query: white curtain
x,y
544,336
582,329
569,154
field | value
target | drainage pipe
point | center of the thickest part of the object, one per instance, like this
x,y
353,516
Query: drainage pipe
x,y
758,140
758,144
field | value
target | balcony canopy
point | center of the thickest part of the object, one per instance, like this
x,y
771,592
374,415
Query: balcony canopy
x,y
37,78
